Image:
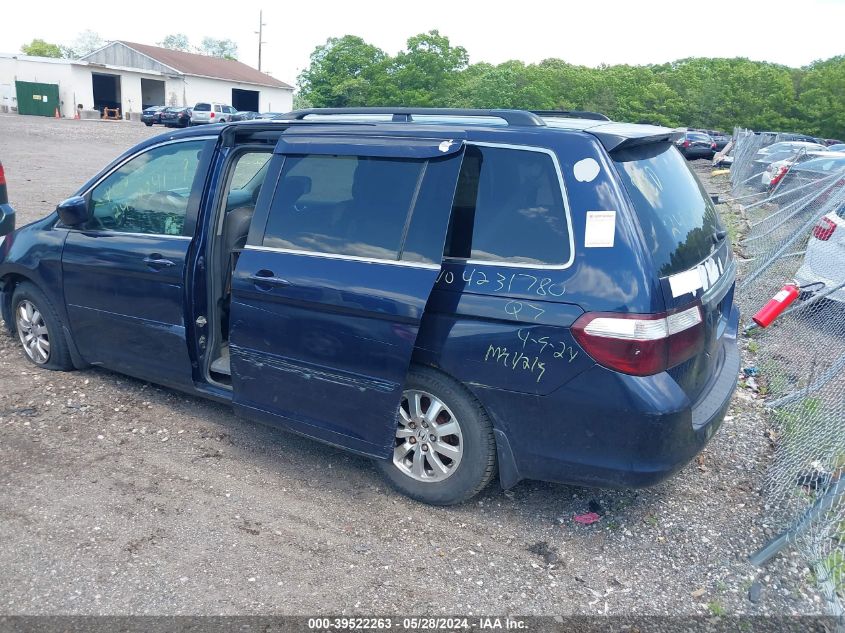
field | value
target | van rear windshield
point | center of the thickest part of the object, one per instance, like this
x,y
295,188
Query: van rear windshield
x,y
677,216
202,107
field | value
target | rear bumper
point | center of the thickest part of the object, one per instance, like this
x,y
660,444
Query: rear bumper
x,y
611,430
807,276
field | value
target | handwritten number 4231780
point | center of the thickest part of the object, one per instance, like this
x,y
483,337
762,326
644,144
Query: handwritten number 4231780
x,y
516,282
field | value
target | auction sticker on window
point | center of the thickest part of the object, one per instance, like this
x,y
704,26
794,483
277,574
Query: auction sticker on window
x,y
601,229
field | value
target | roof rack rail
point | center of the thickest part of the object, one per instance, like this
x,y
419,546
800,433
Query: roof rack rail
x,y
403,115
573,114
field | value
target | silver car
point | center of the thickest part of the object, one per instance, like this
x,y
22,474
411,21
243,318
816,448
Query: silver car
x,y
210,112
824,262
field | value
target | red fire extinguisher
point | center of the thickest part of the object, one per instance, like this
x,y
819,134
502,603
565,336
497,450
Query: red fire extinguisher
x,y
776,305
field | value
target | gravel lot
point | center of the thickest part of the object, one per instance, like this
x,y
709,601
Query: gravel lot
x,y
120,497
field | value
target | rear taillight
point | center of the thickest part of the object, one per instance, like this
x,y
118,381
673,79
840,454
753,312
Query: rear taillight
x,y
686,143
2,176
779,176
641,344
824,229
713,146
211,116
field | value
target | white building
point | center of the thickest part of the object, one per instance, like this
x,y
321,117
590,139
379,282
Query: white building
x,y
132,77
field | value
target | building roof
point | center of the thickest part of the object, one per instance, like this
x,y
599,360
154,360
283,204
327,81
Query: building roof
x,y
206,66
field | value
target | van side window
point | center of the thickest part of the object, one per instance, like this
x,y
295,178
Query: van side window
x,y
508,207
343,205
150,193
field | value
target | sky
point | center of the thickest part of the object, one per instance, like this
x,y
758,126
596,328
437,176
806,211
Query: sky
x,y
793,33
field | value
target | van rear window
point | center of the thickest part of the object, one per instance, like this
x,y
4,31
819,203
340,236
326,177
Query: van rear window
x,y
202,107
677,217
508,208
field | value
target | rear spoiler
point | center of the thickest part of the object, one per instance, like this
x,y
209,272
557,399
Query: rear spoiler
x,y
619,136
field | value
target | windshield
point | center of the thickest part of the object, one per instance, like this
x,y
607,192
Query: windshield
x,y
823,164
677,217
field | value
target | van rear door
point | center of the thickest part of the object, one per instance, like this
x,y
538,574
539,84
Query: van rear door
x,y
327,297
688,246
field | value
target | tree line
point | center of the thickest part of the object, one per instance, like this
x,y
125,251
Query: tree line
x,y
89,41
711,93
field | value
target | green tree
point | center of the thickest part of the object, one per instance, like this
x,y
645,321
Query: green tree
x,y
40,48
300,102
699,92
343,72
821,101
426,73
176,42
86,42
225,49
508,85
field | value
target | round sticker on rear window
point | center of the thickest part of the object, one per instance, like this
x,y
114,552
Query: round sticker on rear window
x,y
586,170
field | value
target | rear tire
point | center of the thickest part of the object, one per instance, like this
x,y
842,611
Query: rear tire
x,y
39,329
453,454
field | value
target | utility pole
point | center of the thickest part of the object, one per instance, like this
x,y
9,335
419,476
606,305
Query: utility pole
x,y
260,33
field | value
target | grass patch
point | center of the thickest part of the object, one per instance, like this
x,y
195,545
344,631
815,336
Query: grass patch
x,y
715,607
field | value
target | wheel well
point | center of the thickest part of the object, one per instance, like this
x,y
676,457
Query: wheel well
x,y
7,288
508,473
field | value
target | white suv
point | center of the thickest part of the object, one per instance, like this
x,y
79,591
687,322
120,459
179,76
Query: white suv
x,y
212,113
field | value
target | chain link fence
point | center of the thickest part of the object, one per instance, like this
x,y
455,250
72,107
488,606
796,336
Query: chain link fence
x,y
793,212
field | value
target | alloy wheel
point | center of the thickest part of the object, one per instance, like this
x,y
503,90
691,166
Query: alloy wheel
x,y
429,441
32,331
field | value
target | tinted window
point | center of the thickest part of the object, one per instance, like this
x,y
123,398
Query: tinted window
x,y
508,207
248,166
699,137
203,107
677,217
345,205
150,193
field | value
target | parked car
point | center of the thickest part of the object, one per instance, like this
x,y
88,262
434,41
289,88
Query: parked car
x,y
788,147
836,147
245,115
7,213
819,170
779,152
696,145
776,171
152,115
798,137
176,117
720,138
823,268
440,295
212,113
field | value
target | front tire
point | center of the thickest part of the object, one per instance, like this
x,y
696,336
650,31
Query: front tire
x,y
445,452
39,329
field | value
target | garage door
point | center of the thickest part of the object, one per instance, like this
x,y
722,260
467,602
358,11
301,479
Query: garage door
x,y
37,99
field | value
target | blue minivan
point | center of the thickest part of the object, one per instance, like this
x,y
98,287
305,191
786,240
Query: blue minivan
x,y
455,293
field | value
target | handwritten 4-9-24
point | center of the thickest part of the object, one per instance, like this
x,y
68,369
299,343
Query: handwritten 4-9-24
x,y
519,360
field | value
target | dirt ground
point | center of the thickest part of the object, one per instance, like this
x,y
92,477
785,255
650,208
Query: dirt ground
x,y
120,497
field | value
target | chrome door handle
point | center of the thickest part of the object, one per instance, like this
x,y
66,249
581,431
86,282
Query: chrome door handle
x,y
156,261
269,280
